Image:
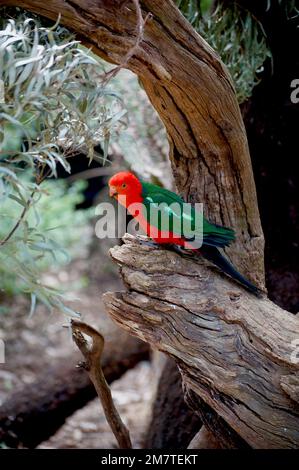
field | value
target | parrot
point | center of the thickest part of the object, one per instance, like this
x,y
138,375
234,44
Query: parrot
x,y
140,197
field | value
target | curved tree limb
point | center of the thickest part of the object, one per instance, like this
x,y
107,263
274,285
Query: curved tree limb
x,y
233,349
93,355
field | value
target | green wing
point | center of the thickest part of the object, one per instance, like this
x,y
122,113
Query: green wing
x,y
165,210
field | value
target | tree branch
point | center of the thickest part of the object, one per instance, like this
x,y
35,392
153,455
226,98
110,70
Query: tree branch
x,y
224,340
234,351
93,355
33,413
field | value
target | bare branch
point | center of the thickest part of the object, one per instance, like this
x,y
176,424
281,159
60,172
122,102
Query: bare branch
x,y
93,354
204,439
234,351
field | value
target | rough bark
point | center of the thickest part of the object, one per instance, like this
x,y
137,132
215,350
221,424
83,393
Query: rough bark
x,y
194,96
33,414
234,350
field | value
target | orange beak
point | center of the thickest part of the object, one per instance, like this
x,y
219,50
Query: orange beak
x,y
112,191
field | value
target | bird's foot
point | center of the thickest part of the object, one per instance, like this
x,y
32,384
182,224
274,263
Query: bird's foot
x,y
179,250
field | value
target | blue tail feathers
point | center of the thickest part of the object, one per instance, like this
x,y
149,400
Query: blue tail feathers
x,y
213,255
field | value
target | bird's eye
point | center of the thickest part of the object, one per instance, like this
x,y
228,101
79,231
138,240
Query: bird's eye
x,y
124,185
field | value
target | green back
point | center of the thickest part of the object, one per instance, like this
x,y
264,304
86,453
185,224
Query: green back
x,y
166,211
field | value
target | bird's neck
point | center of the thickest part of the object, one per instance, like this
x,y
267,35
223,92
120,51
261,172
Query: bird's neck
x,y
129,200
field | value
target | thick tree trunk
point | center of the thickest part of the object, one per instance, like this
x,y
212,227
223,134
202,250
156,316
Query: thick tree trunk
x,y
236,352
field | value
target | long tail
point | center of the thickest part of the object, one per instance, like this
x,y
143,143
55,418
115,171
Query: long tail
x,y
213,255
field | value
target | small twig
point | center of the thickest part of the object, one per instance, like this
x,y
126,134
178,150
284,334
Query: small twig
x,y
17,224
39,179
92,355
139,36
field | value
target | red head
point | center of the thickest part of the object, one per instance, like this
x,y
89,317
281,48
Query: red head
x,y
126,184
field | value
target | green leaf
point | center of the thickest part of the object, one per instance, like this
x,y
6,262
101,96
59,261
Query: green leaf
x,y
33,304
8,172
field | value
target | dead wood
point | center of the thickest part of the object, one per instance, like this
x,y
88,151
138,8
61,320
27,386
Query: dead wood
x,y
235,351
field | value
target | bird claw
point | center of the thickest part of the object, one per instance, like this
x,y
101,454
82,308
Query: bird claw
x,y
179,250
168,246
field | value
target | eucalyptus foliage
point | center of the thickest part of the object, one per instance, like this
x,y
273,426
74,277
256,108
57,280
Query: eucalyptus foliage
x,y
48,237
53,106
237,37
52,95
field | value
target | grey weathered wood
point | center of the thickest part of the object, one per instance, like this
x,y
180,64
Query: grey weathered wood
x,y
234,350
